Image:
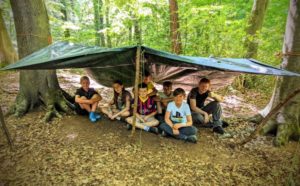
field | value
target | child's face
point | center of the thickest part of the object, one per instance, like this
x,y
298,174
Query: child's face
x,y
203,87
143,92
179,98
85,84
167,90
118,88
147,79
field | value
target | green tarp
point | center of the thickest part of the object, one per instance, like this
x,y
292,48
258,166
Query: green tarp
x,y
107,65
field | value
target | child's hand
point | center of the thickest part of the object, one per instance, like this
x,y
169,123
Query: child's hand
x,y
176,126
146,118
175,131
206,118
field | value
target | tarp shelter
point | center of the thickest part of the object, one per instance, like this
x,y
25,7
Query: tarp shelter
x,y
108,64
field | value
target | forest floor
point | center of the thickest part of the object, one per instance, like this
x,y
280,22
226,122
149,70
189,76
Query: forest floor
x,y
73,151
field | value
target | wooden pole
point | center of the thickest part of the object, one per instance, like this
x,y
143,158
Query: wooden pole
x,y
5,130
137,76
269,115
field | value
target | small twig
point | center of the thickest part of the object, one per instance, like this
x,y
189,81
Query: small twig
x,y
269,115
5,130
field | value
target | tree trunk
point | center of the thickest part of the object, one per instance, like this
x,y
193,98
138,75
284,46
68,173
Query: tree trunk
x,y
36,86
107,23
7,52
98,21
64,11
286,123
174,25
137,32
255,23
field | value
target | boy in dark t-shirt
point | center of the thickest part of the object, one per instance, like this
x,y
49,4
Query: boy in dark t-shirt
x,y
201,112
86,100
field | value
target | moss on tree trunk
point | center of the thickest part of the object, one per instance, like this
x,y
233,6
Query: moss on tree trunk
x,y
7,52
286,123
37,87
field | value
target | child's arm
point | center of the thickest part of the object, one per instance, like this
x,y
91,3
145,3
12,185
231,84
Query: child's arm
x,y
216,97
96,97
127,108
82,101
167,119
150,115
198,110
187,124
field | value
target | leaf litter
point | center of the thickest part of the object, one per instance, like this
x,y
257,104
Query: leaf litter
x,y
72,151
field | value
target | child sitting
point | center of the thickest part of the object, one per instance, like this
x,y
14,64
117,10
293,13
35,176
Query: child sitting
x,y
146,109
152,91
119,106
86,100
178,119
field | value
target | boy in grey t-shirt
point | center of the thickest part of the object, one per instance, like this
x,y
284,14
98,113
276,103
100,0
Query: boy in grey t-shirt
x,y
178,119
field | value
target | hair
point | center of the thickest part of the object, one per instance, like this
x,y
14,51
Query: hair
x,y
178,91
118,82
204,80
167,84
84,78
142,85
115,98
147,73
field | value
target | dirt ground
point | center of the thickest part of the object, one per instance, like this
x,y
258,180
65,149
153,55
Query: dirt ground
x,y
73,151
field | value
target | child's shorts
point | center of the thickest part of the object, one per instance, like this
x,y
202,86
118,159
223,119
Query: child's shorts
x,y
80,111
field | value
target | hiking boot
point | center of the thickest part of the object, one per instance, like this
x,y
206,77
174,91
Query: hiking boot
x,y
192,139
153,130
218,130
128,126
225,124
92,117
163,134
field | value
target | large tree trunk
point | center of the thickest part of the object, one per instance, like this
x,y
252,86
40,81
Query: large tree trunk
x,y
98,21
174,25
286,123
7,52
36,86
255,23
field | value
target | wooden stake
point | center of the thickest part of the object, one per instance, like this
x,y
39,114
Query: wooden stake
x,y
5,130
136,83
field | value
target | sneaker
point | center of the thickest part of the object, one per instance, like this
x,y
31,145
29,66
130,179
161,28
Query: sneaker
x,y
225,124
128,126
218,130
192,139
153,130
92,117
97,116
163,134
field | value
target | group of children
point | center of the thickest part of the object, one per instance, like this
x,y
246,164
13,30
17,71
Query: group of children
x,y
163,112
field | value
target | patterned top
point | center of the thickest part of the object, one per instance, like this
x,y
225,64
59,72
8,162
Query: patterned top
x,y
146,107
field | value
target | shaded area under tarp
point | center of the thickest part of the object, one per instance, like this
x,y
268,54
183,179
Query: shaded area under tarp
x,y
108,64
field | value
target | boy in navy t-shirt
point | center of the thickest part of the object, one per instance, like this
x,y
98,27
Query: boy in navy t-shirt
x,y
86,100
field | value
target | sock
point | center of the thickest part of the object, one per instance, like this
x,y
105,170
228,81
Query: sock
x,y
146,128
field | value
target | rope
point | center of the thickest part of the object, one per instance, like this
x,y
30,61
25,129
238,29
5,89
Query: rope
x,y
281,54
